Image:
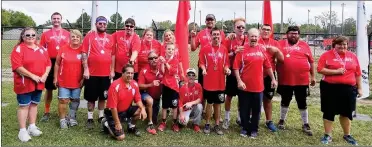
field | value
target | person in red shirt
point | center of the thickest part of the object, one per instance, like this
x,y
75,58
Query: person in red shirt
x,y
202,39
53,40
122,93
191,95
30,66
68,77
273,57
293,76
148,44
339,87
249,68
235,44
168,37
214,62
149,82
169,66
127,44
98,61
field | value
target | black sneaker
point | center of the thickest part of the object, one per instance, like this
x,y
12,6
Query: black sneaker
x,y
45,117
134,130
90,124
281,124
306,128
218,130
350,140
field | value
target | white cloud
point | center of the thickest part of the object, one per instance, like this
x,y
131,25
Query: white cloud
x,y
145,11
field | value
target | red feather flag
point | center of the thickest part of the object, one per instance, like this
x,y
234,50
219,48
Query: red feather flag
x,y
182,31
266,14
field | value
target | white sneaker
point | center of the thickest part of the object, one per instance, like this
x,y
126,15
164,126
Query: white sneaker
x,y
34,131
226,124
24,136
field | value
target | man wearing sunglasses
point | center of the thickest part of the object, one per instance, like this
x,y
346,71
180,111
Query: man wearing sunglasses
x,y
53,40
127,44
97,58
293,76
190,101
273,54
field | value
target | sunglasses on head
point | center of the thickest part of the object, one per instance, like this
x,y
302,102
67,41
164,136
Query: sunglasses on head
x,y
191,75
240,27
30,35
152,58
129,26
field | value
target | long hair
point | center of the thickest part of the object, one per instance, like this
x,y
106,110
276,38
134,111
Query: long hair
x,y
173,40
20,40
147,30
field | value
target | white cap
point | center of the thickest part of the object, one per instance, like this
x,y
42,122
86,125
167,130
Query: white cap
x,y
191,70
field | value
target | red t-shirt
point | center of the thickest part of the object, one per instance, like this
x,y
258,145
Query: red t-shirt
x,y
99,48
251,63
121,96
296,68
146,76
70,68
53,38
146,47
232,45
215,78
171,76
176,55
35,61
190,93
271,57
330,60
124,46
204,37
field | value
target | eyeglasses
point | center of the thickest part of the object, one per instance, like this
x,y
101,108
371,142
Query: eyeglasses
x,y
101,23
191,75
266,29
240,27
209,19
152,58
30,35
215,34
129,26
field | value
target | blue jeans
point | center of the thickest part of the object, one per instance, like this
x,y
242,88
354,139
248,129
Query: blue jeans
x,y
28,98
66,93
250,102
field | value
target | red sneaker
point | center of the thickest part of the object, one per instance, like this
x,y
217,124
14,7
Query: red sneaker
x,y
162,126
151,129
175,127
196,128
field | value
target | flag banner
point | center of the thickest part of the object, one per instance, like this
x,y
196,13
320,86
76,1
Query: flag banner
x,y
266,14
182,31
362,46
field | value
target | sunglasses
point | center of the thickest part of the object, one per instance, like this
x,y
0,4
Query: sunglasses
x,y
129,26
240,27
191,75
30,35
152,58
266,29
101,23
210,19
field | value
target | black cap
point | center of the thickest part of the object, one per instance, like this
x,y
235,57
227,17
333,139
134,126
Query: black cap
x,y
210,16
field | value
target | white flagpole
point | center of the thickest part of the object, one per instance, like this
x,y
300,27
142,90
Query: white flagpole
x,y
362,46
94,15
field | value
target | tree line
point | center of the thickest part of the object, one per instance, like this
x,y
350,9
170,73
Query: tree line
x,y
12,18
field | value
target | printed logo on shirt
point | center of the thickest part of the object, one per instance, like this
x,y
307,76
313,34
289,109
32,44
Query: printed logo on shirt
x,y
346,59
56,37
221,97
196,92
133,91
255,54
174,102
18,50
41,51
78,56
219,55
117,88
105,94
102,39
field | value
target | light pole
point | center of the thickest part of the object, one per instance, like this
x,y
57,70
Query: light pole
x,y
315,18
82,20
342,26
234,15
117,8
281,16
200,18
308,20
330,17
245,10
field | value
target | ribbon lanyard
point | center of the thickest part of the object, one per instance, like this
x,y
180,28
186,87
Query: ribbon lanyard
x,y
57,38
342,62
128,42
289,49
215,55
99,42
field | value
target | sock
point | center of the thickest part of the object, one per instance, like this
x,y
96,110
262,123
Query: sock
x,y
304,116
227,115
238,117
174,120
47,108
100,113
74,105
22,129
283,112
90,115
131,125
32,125
164,120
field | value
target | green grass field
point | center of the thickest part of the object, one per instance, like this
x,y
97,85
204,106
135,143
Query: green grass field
x,y
79,136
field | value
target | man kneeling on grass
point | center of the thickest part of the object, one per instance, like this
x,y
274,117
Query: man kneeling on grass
x,y
121,94
190,101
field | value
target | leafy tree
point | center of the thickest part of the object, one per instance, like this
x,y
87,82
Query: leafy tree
x,y
16,18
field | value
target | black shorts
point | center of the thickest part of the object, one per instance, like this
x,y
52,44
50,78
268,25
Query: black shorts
x,y
337,99
123,116
268,91
118,75
200,76
299,90
96,88
49,81
214,97
169,98
231,86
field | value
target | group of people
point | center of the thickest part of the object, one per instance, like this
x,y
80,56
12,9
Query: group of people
x,y
121,68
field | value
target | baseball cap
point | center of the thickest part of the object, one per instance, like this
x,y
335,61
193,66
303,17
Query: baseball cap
x,y
210,16
192,70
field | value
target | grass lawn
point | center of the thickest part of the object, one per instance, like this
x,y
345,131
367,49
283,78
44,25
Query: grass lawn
x,y
6,48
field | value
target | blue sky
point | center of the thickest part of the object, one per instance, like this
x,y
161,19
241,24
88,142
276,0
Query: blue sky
x,y
145,11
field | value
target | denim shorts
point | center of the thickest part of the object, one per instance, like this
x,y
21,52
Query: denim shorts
x,y
144,96
65,93
28,98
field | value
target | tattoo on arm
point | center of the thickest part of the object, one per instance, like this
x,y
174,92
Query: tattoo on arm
x,y
85,60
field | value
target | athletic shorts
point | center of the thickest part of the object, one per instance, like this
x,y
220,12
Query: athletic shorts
x,y
268,91
49,85
123,116
118,75
214,97
96,88
169,98
231,86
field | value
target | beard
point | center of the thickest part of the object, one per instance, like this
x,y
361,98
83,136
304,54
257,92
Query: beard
x,y
292,40
101,30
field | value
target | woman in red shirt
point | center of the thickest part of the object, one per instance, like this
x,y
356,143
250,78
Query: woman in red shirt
x,y
68,77
31,66
340,85
168,37
148,44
